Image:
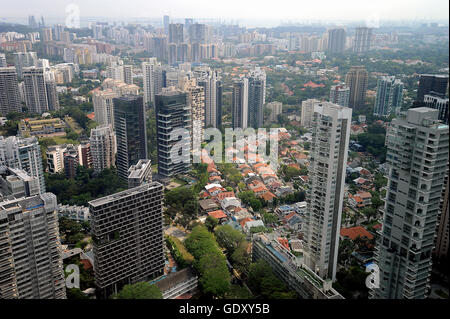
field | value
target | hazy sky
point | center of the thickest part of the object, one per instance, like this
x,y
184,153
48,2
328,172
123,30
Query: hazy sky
x,y
236,9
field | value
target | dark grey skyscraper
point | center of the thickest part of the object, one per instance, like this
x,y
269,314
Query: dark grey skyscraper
x,y
9,91
438,103
357,79
129,124
128,237
336,40
428,83
172,112
256,98
52,96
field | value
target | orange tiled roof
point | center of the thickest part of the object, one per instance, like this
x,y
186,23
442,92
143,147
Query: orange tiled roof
x,y
284,242
354,232
217,214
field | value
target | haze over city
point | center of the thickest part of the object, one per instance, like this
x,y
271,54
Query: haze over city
x,y
251,13
207,151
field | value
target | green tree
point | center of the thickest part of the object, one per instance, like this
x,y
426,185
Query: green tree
x,y
211,223
140,290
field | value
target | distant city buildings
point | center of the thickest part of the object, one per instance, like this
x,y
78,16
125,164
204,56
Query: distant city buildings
x,y
336,40
362,42
389,96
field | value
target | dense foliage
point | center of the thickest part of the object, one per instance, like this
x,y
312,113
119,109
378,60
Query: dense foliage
x,y
85,187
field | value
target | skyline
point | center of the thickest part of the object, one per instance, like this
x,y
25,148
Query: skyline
x,y
237,12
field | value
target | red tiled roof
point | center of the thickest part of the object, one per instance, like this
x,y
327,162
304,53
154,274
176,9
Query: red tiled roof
x,y
354,232
284,242
217,214
268,196
244,221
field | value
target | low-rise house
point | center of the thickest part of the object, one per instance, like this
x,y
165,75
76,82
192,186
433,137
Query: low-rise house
x,y
208,205
219,215
252,223
268,197
300,207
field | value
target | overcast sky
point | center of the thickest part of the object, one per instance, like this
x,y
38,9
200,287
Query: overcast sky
x,y
236,9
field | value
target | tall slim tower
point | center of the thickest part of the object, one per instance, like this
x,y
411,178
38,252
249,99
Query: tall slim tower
x,y
362,40
256,98
103,147
389,96
239,104
417,156
35,90
356,79
212,85
131,135
328,162
31,255
153,82
127,228
166,22
104,106
9,91
336,40
196,102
